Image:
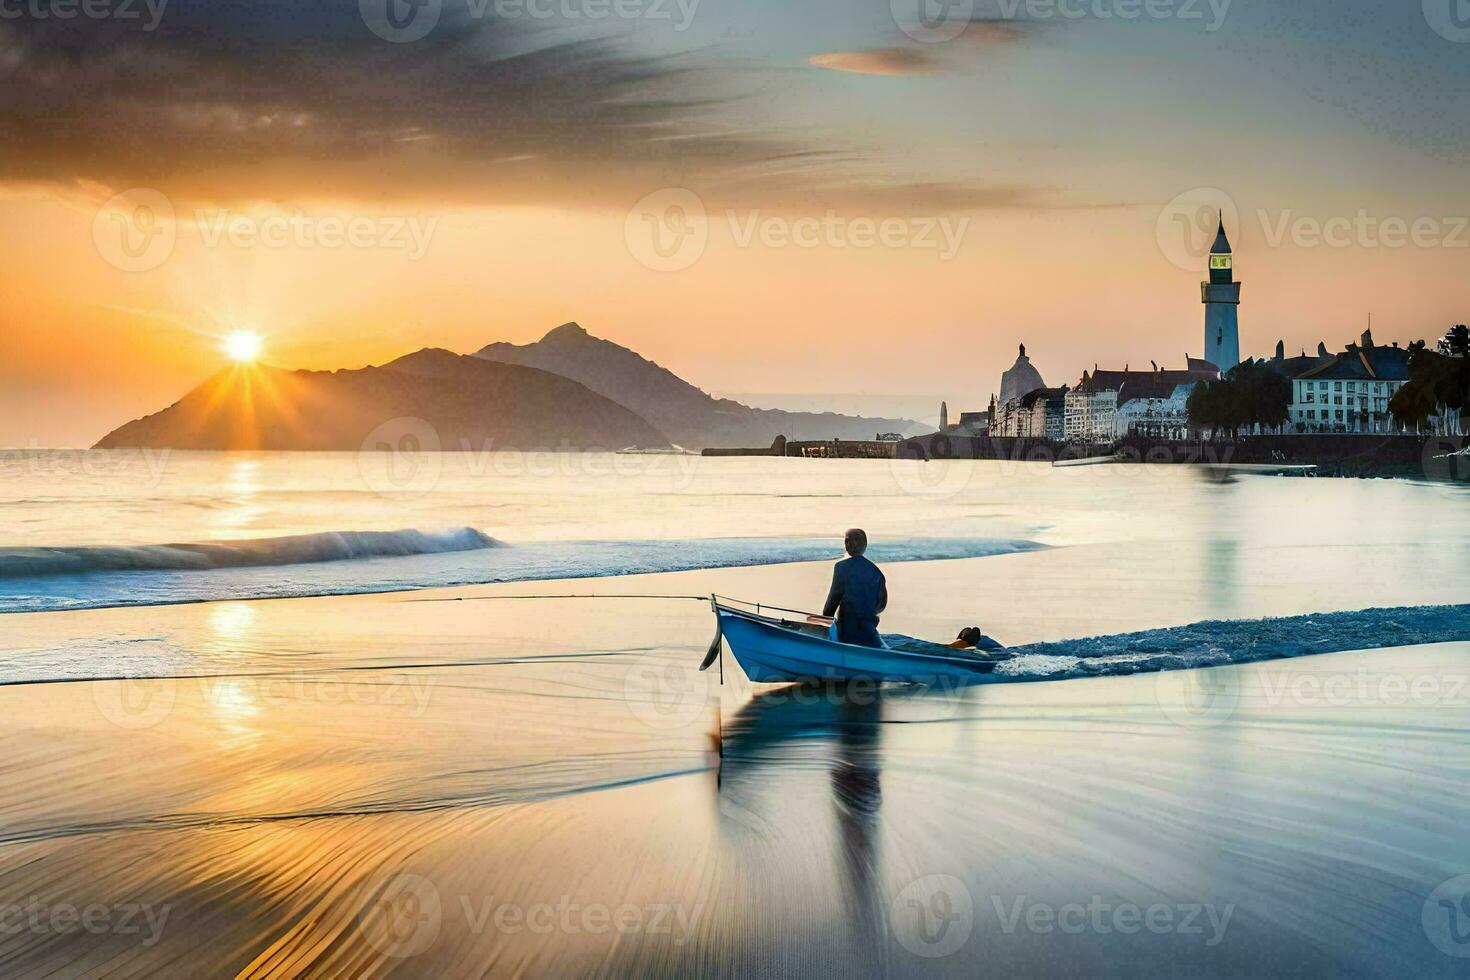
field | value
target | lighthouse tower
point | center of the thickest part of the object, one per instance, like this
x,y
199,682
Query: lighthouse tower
x,y
1221,296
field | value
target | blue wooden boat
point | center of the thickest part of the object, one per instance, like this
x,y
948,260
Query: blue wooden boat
x,y
773,644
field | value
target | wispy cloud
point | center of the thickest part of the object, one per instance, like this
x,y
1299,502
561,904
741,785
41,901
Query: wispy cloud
x,y
880,61
929,59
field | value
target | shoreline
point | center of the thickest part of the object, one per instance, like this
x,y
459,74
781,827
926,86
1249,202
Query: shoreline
x,y
288,829
485,764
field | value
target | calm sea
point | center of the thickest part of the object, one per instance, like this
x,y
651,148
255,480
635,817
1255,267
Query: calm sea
x,y
81,529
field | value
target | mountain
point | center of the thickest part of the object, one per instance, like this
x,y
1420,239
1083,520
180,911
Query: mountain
x,y
468,403
687,415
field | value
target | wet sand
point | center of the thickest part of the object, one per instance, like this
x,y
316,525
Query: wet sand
x,y
372,785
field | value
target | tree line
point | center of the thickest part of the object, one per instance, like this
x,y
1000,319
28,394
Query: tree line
x,y
1250,394
1439,384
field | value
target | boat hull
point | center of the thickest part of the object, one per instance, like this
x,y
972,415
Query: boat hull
x,y
771,653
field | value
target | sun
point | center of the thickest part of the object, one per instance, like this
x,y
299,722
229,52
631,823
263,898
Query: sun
x,y
243,346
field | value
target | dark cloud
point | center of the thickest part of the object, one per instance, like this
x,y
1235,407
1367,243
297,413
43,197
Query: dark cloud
x,y
280,88
284,99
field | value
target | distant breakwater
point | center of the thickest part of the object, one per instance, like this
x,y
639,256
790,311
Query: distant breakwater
x,y
1345,455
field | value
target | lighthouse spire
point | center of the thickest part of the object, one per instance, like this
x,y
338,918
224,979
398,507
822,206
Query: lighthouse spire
x,y
1221,296
1222,241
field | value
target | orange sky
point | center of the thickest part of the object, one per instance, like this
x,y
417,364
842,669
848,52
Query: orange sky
x,y
94,346
1055,154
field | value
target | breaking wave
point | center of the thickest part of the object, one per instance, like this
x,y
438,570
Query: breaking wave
x,y
40,579
296,549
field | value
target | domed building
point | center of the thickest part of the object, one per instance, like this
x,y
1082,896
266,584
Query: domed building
x,y
1020,379
1010,413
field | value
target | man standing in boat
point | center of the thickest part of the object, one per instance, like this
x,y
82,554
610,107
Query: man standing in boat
x,y
859,593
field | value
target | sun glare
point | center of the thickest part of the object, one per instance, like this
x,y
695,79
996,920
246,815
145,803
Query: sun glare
x,y
243,346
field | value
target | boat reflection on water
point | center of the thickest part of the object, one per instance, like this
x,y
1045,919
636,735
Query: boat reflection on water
x,y
857,796
771,748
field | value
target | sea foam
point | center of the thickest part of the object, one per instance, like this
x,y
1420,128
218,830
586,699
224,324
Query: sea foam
x,y
39,579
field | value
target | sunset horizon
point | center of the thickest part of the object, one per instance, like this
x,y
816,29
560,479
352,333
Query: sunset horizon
x,y
735,488
1011,214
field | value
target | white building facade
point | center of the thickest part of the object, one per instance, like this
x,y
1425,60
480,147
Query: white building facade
x,y
1351,392
1155,418
1091,414
1343,405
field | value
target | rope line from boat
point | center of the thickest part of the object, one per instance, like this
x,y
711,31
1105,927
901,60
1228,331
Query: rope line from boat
x,y
577,595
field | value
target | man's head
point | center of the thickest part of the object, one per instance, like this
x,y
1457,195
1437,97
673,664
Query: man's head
x,y
855,541
971,635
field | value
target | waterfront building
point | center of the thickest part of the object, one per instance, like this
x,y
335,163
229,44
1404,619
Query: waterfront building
x,y
1019,379
1155,411
1042,414
1008,418
1092,407
1089,411
1351,391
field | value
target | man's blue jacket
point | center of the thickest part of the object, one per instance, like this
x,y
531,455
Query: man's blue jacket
x,y
859,593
